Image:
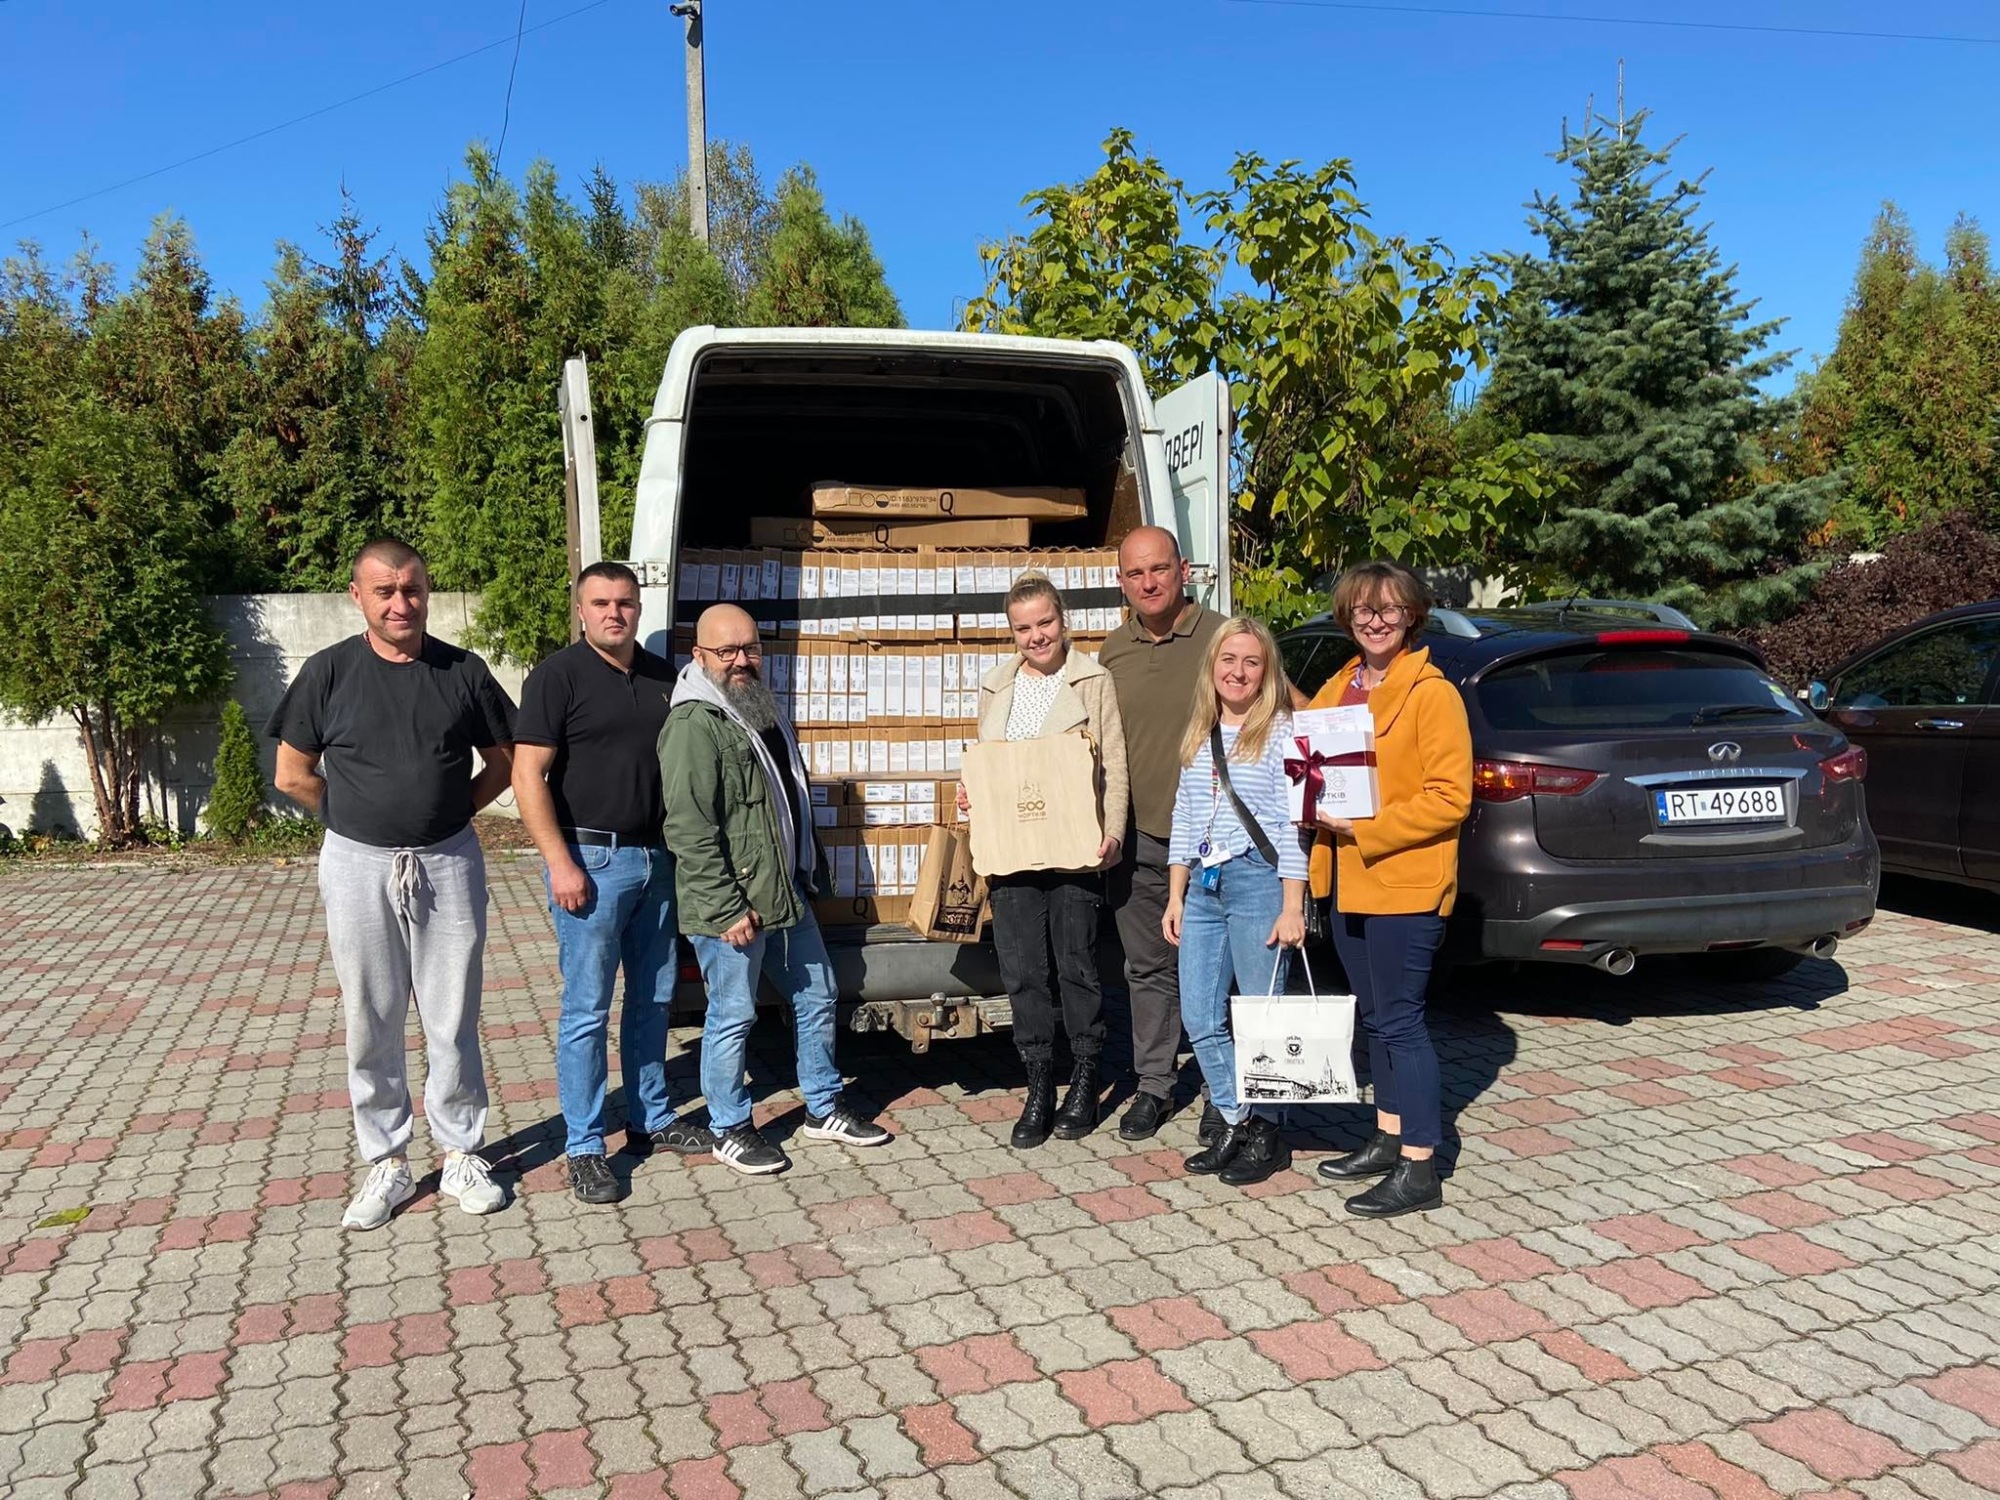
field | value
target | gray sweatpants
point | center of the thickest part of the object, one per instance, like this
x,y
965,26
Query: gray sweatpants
x,y
404,922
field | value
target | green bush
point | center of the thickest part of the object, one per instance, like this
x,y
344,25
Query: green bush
x,y
236,802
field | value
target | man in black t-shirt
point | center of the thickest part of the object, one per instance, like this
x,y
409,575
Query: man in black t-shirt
x,y
587,779
376,737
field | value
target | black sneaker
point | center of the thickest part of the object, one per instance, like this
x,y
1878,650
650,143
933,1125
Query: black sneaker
x,y
748,1152
681,1137
591,1180
844,1125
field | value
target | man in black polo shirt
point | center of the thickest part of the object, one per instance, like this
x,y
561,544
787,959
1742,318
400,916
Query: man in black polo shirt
x,y
587,778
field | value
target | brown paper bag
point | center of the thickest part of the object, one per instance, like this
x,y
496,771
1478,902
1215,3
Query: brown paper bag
x,y
1034,804
949,903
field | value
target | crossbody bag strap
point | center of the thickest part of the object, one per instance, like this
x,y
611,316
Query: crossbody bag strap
x,y
1250,825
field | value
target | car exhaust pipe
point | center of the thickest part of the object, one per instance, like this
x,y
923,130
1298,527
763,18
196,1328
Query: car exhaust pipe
x,y
1617,962
1823,946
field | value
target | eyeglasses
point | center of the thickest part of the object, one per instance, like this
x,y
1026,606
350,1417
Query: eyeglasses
x,y
1395,614
728,655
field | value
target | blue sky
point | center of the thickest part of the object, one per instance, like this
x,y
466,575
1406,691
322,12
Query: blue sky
x,y
931,120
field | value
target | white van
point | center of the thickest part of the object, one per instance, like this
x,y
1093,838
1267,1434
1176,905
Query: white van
x,y
747,418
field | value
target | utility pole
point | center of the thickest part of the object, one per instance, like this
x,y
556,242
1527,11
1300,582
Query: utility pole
x,y
580,508
697,109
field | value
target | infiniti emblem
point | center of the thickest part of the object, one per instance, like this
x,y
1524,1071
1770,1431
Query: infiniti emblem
x,y
1723,750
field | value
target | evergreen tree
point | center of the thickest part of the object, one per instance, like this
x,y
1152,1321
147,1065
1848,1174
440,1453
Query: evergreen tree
x,y
315,469
1628,354
174,359
742,216
102,619
236,800
819,274
1906,411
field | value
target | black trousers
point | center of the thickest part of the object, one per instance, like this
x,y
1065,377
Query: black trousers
x,y
1038,917
1152,964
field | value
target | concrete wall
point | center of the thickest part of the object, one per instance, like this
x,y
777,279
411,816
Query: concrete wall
x,y
45,776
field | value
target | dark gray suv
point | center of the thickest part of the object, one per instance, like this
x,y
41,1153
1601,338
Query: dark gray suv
x,y
1640,787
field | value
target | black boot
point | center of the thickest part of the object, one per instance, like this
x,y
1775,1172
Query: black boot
x,y
1264,1154
1038,1110
1411,1188
1078,1115
1220,1152
1211,1123
1378,1154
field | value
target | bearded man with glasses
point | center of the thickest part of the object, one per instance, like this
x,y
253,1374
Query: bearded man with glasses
x,y
738,816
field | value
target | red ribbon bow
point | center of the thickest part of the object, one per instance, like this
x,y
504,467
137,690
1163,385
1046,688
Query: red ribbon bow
x,y
1309,769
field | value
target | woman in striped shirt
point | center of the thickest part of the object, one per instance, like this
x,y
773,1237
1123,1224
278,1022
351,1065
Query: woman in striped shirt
x,y
1229,904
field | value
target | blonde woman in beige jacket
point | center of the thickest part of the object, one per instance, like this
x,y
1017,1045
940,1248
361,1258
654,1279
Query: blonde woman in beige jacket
x,y
1049,689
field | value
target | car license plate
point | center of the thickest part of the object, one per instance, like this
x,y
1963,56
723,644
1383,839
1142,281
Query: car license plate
x,y
1720,804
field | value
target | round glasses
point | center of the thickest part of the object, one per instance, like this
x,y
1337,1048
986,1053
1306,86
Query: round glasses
x,y
1395,614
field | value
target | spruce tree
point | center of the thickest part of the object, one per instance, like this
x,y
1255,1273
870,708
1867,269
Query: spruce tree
x,y
1630,356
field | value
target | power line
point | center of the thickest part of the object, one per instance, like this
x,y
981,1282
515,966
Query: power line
x,y
1533,15
507,109
313,114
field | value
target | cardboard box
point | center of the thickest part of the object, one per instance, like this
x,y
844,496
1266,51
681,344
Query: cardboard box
x,y
856,533
838,498
1330,764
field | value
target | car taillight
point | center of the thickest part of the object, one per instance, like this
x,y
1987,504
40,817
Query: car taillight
x,y
1641,637
1511,780
1850,765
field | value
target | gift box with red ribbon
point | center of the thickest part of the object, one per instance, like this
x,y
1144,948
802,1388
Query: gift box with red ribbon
x,y
1330,764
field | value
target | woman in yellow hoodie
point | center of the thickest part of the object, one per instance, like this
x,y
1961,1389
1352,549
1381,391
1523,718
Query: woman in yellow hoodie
x,y
1394,876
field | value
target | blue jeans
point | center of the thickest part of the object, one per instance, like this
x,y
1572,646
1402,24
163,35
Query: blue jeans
x,y
628,920
1388,963
1222,937
795,960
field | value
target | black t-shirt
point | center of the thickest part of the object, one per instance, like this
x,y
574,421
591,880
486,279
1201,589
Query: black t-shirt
x,y
395,739
604,724
774,741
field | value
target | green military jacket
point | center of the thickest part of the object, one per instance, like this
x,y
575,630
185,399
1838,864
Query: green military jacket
x,y
722,826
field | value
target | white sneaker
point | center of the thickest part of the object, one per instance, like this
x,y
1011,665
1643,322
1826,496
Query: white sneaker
x,y
469,1179
388,1187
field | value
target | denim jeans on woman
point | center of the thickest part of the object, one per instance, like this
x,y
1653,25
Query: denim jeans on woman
x,y
1388,962
628,922
796,960
1223,939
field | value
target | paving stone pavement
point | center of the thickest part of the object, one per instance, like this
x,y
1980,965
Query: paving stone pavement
x,y
1700,1242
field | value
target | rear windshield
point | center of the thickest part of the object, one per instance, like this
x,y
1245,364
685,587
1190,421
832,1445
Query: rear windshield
x,y
1627,688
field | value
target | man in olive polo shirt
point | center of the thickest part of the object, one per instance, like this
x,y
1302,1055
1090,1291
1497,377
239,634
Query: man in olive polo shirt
x,y
1154,659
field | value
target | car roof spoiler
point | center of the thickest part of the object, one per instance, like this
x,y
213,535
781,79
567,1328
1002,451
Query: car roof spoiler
x,y
1665,614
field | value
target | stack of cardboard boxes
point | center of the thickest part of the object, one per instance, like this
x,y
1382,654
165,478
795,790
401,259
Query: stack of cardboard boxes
x,y
881,613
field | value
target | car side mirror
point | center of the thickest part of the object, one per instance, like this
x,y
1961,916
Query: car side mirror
x,y
1818,697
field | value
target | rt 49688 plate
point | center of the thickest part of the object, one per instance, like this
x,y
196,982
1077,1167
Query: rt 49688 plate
x,y
1720,804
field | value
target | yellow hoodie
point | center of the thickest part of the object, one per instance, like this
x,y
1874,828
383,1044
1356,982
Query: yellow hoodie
x,y
1405,858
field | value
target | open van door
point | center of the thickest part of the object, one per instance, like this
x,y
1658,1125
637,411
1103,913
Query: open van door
x,y
1192,423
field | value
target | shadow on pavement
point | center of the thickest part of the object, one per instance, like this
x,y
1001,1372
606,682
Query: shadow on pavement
x,y
1941,901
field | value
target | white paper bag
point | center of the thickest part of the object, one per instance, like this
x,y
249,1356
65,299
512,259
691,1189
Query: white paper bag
x,y
1330,764
1293,1049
